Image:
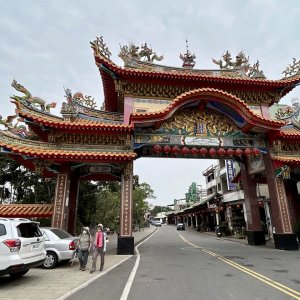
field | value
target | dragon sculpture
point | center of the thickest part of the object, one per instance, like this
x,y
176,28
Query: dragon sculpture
x,y
292,69
35,102
17,129
241,62
131,52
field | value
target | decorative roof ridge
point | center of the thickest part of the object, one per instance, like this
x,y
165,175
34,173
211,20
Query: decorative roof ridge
x,y
9,140
195,73
52,120
194,93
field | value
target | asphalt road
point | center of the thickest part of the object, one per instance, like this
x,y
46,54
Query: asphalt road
x,y
190,265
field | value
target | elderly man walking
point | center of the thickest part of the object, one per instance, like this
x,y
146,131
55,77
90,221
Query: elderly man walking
x,y
99,248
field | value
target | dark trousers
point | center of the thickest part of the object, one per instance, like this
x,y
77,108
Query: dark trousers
x,y
83,257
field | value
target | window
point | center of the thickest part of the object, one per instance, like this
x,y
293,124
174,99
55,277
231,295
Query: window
x,y
61,233
2,230
29,230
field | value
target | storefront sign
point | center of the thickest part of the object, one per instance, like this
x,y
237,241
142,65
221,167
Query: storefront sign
x,y
230,174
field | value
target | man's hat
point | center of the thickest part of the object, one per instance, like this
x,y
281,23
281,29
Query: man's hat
x,y
100,225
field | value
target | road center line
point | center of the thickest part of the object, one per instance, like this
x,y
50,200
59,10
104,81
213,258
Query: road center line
x,y
285,289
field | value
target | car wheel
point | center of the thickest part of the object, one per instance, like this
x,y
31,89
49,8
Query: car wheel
x,y
50,261
18,274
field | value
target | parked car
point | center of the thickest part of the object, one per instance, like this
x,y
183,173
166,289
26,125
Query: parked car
x,y
180,226
60,246
157,223
21,246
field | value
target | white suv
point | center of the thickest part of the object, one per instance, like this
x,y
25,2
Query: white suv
x,y
22,246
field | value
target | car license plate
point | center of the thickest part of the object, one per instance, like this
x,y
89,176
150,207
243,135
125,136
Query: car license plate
x,y
34,246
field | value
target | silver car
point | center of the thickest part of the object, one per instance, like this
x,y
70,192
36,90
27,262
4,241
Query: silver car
x,y
60,246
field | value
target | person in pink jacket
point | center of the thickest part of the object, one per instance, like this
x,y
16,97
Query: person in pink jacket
x,y
99,248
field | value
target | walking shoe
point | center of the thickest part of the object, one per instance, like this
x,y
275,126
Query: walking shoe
x,y
101,269
83,269
92,271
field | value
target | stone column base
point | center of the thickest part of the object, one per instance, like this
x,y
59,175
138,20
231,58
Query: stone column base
x,y
256,238
125,245
285,241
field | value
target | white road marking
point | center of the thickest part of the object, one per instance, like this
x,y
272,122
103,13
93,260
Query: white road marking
x,y
85,284
128,285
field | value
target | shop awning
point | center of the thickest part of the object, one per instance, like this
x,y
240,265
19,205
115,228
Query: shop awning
x,y
206,199
26,210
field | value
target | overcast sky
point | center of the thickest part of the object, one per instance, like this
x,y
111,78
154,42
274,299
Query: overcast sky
x,y
44,45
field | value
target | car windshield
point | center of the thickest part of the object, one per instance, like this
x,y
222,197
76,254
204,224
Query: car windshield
x,y
61,233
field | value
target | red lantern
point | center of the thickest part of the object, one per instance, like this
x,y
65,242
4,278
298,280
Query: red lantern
x,y
203,151
157,149
167,149
175,149
221,152
230,152
247,151
256,151
194,151
239,152
212,152
185,150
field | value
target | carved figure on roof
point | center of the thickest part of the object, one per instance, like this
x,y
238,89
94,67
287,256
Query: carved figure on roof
x,y
35,102
17,129
21,130
88,101
292,69
284,112
68,95
148,54
254,71
100,47
131,52
188,58
241,62
8,121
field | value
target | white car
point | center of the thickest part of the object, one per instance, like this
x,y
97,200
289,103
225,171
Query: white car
x,y
60,246
22,246
157,223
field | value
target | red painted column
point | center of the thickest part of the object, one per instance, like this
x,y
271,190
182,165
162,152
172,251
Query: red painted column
x,y
284,238
255,232
251,201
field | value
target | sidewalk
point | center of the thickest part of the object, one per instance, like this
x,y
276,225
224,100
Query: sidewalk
x,y
44,284
269,243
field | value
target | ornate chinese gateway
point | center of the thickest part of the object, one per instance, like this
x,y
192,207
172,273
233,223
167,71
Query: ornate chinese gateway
x,y
152,110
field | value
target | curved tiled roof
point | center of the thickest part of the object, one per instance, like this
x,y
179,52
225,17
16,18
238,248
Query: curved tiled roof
x,y
62,152
78,124
294,160
290,132
169,73
26,210
218,95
